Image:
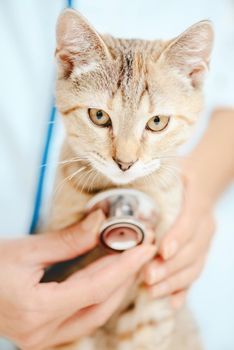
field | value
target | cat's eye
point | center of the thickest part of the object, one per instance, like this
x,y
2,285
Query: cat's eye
x,y
99,117
158,123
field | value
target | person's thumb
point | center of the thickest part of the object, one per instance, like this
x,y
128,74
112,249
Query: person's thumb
x,y
70,242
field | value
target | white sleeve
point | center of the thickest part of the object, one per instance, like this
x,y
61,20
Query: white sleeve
x,y
27,71
220,83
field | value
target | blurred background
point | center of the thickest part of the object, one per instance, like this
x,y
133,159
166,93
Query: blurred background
x,y
27,71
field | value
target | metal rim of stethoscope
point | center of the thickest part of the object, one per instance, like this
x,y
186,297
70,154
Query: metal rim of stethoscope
x,y
44,159
139,231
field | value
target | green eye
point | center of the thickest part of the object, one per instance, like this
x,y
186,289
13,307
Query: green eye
x,y
158,123
99,117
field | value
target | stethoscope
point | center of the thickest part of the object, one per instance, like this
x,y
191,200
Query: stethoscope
x,y
44,159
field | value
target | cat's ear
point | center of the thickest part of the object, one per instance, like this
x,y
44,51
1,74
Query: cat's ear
x,y
190,52
79,46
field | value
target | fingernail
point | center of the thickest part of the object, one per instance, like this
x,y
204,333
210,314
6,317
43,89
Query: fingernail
x,y
93,220
157,274
160,290
170,249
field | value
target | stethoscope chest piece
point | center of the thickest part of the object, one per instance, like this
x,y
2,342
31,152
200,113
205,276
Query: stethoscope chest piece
x,y
128,214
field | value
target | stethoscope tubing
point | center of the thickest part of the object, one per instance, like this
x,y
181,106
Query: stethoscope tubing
x,y
44,158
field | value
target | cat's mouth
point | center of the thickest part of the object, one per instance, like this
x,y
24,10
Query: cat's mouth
x,y
110,169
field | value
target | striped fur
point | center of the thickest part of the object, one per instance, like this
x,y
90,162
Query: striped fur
x,y
132,80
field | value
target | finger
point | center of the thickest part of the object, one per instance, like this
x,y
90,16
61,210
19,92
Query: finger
x,y
178,299
180,233
178,281
158,270
79,292
93,268
68,243
183,228
93,317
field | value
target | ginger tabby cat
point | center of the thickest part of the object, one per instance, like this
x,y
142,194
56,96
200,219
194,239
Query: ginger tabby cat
x,y
127,105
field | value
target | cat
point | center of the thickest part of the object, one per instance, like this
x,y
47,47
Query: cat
x,y
127,105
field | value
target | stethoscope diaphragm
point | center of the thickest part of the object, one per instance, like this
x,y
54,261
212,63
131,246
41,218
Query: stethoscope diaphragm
x,y
121,236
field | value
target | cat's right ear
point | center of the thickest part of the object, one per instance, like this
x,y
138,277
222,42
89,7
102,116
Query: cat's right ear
x,y
79,46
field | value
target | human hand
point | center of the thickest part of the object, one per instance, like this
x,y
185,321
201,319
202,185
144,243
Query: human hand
x,y
41,315
184,248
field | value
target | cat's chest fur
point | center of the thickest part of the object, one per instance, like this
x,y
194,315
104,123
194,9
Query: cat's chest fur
x,y
140,323
127,327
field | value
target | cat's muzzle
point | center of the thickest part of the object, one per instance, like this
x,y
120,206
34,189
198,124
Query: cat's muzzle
x,y
130,217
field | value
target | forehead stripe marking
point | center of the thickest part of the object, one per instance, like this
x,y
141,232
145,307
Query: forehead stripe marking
x,y
70,110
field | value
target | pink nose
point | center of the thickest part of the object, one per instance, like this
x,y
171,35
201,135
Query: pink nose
x,y
123,165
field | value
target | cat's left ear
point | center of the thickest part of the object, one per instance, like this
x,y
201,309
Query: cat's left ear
x,y
190,52
79,46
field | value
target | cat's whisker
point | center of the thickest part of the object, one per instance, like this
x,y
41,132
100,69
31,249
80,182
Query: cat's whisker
x,y
145,179
81,178
172,166
68,178
93,180
76,172
158,179
67,161
169,157
95,175
78,179
87,180
173,172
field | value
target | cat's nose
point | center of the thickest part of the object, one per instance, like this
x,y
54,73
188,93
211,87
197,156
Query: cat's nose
x,y
123,165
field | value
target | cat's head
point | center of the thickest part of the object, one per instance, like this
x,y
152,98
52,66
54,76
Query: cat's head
x,y
128,104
